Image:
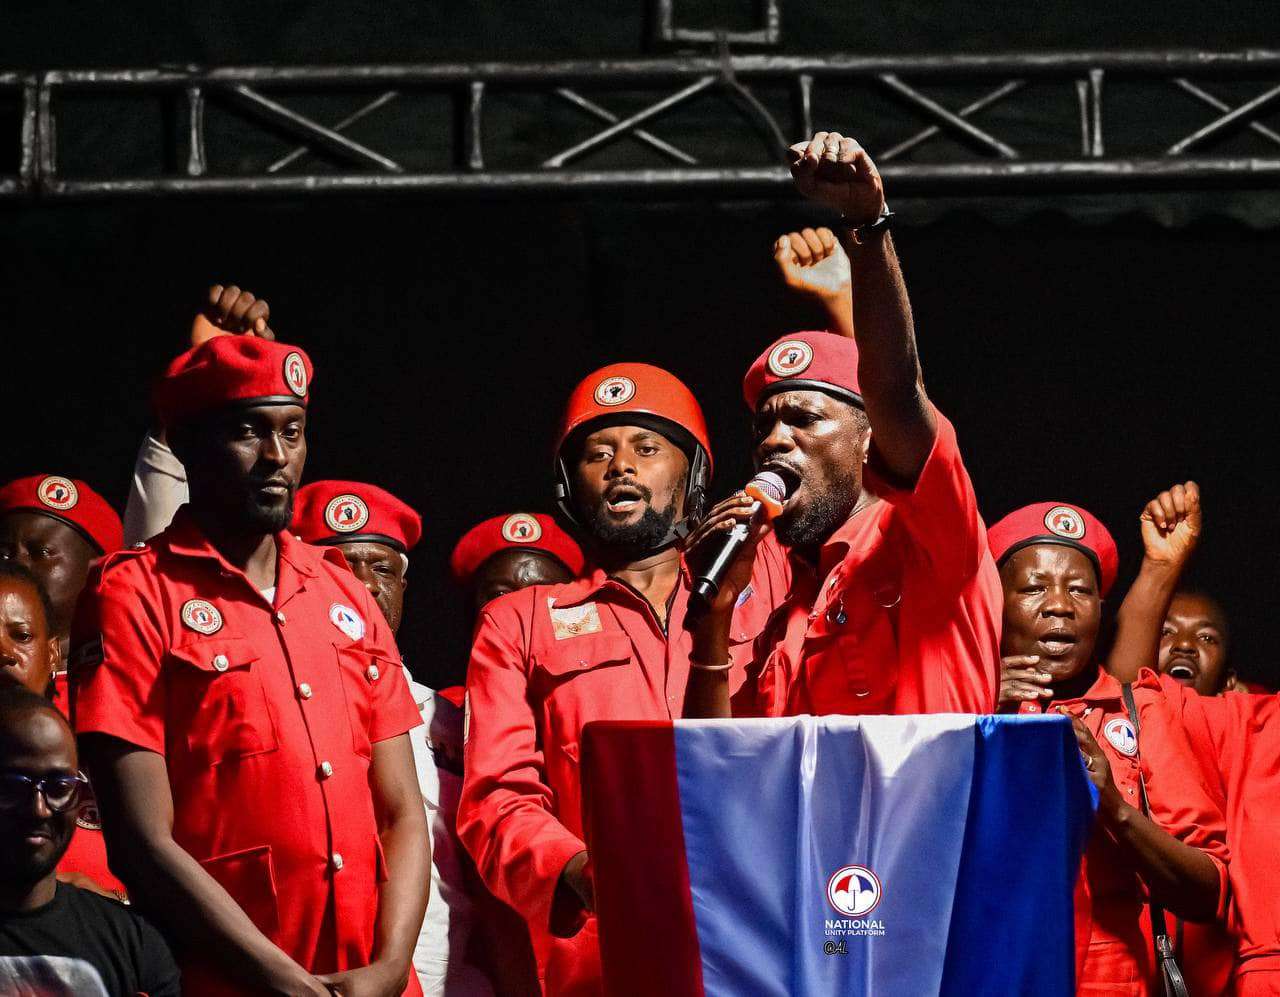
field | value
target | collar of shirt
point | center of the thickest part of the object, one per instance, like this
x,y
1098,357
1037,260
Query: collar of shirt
x,y
296,560
595,584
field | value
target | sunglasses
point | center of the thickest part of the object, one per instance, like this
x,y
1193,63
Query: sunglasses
x,y
60,790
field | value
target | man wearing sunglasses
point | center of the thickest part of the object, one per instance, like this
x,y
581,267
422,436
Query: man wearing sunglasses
x,y
56,938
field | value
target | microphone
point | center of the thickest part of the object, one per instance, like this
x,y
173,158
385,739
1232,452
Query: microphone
x,y
770,492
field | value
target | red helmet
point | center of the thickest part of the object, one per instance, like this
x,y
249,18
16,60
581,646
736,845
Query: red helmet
x,y
636,394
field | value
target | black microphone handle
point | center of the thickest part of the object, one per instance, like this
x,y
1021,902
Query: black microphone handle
x,y
706,586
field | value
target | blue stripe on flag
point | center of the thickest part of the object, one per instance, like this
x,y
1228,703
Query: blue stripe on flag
x,y
1021,852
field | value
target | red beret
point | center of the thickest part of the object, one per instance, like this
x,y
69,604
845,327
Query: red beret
x,y
805,361
521,531
345,512
1057,523
69,501
229,370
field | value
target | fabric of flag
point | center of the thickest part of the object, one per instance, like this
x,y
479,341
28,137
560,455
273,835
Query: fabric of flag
x,y
836,855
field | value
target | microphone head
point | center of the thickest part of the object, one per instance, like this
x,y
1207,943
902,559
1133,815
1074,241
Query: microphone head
x,y
769,490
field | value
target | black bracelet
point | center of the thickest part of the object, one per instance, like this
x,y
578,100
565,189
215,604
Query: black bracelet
x,y
877,227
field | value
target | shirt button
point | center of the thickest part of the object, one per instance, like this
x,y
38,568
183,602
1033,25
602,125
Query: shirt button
x,y
326,770
335,860
1129,790
304,690
220,662
861,693
279,616
372,673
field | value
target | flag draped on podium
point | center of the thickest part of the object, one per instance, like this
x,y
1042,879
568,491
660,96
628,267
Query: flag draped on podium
x,y
836,855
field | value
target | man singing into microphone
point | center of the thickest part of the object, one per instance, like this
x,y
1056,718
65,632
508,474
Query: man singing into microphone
x,y
894,603
633,463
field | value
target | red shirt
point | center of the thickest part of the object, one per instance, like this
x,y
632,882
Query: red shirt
x,y
547,660
1115,952
1237,742
901,616
87,854
266,716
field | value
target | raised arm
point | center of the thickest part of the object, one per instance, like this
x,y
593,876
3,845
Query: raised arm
x,y
813,265
1171,524
836,171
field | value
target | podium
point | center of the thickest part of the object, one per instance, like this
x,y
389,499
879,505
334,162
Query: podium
x,y
836,855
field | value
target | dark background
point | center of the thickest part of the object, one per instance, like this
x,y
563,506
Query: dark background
x,y
1081,360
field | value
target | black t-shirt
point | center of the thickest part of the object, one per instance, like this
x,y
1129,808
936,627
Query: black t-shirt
x,y
83,943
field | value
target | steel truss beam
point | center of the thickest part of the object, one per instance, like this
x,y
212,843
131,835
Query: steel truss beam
x,y
263,93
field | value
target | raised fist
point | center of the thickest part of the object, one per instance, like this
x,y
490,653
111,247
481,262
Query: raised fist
x,y
231,311
1171,524
812,263
836,171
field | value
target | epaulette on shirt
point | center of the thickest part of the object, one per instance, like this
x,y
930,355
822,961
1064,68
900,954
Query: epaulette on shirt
x,y
115,558
88,654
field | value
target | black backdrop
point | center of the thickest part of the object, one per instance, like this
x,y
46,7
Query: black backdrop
x,y
1091,365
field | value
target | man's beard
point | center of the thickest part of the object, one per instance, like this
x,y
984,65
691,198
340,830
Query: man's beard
x,y
268,518
822,515
633,540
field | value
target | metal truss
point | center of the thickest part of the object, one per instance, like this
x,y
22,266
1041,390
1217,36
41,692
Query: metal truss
x,y
916,163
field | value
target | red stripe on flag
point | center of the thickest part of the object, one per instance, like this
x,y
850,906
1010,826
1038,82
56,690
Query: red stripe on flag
x,y
631,813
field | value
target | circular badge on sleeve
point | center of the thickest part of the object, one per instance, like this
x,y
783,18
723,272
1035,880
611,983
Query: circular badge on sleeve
x,y
1119,732
201,616
615,391
346,513
295,374
521,528
58,493
790,358
1063,521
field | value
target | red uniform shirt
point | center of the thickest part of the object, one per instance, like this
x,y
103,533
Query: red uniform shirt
x,y
1115,951
1237,742
902,615
266,716
87,854
547,660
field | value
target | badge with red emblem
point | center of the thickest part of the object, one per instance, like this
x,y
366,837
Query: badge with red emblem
x,y
201,616
295,374
790,358
521,528
1063,521
615,391
58,493
346,513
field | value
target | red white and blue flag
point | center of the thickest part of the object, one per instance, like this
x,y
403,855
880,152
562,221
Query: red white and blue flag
x,y
836,855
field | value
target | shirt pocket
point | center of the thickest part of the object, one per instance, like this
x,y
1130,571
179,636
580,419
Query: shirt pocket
x,y
362,674
217,702
249,876
582,679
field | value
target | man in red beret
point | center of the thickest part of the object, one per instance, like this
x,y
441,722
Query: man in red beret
x,y
56,526
372,528
511,552
894,603
632,468
1057,563
243,710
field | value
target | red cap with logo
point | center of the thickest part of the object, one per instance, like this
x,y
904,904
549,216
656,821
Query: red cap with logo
x,y
70,501
805,361
518,531
1061,524
232,370
345,512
